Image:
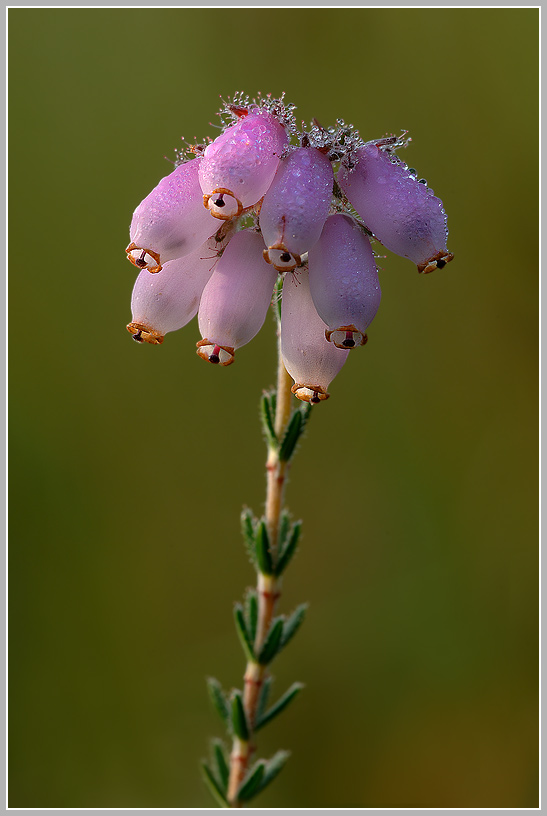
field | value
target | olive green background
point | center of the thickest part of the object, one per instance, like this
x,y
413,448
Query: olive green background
x,y
417,482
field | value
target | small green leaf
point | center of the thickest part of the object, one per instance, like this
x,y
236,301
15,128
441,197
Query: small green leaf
x,y
263,697
284,528
293,623
222,764
248,532
213,785
251,613
292,435
244,636
239,719
272,644
263,555
289,549
280,706
251,783
273,767
219,699
267,418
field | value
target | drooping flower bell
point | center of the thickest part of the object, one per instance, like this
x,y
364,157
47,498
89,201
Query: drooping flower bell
x,y
236,298
309,358
168,301
403,213
238,167
170,222
295,207
344,281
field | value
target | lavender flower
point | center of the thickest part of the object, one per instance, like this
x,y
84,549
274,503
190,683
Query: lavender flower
x,y
166,302
170,222
344,281
401,211
235,300
309,358
295,207
238,167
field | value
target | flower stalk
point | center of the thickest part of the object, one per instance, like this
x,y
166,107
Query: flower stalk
x,y
268,586
271,542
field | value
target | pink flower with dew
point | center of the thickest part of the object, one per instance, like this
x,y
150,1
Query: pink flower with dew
x,y
344,281
170,222
402,212
235,301
167,301
309,358
238,167
295,207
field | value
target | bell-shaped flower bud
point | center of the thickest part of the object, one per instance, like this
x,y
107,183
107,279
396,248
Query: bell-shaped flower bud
x,y
295,207
344,281
168,301
402,212
236,298
238,167
309,358
170,222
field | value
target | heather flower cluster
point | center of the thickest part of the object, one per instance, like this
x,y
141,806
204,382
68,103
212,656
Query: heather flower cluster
x,y
268,210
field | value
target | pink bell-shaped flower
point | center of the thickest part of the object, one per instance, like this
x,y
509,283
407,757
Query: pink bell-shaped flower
x,y
309,358
170,222
403,213
238,167
236,298
295,207
168,301
344,281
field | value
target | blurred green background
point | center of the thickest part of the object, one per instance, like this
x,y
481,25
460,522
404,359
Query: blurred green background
x,y
417,482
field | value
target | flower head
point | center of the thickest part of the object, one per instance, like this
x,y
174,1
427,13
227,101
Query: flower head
x,y
260,204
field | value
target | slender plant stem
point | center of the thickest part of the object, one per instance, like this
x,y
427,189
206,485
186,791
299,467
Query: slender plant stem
x,y
268,586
